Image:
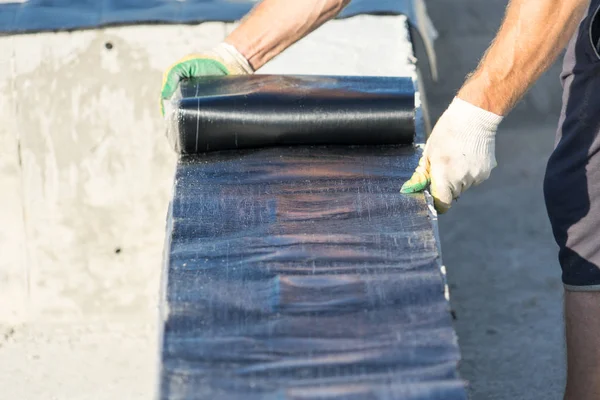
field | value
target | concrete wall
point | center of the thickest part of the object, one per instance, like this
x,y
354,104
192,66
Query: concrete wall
x,y
85,170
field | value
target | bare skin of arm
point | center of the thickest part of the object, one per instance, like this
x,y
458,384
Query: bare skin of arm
x,y
274,25
533,34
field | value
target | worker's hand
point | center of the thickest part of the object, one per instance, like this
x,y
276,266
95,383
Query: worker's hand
x,y
460,153
224,59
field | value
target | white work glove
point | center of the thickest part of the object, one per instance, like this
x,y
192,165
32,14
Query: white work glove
x,y
459,153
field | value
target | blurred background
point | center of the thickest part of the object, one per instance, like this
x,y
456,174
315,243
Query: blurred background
x,y
496,241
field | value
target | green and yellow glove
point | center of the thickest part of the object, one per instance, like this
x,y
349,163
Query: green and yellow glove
x,y
460,153
224,59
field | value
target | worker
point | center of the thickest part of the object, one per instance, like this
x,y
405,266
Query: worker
x,y
460,150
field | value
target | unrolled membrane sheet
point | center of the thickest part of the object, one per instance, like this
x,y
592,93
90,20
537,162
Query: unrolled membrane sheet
x,y
302,273
236,112
49,15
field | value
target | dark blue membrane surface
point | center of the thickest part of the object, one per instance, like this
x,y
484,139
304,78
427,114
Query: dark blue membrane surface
x,y
303,273
53,15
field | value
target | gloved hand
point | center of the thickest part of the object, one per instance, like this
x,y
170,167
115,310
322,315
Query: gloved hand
x,y
224,59
459,153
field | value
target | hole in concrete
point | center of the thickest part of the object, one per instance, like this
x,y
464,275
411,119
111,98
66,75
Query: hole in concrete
x,y
108,45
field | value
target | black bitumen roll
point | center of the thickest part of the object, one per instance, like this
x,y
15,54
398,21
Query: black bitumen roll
x,y
237,112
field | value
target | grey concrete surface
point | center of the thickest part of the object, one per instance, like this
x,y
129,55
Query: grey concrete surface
x,y
496,241
86,175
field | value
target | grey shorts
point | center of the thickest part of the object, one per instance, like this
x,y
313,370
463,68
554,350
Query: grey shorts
x,y
572,182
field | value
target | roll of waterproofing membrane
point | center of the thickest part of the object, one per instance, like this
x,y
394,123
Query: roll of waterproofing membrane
x,y
237,112
301,272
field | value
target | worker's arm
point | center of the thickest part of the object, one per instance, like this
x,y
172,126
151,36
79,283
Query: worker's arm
x,y
271,27
460,150
274,25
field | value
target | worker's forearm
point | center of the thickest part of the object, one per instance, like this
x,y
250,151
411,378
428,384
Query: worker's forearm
x,y
274,25
533,34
